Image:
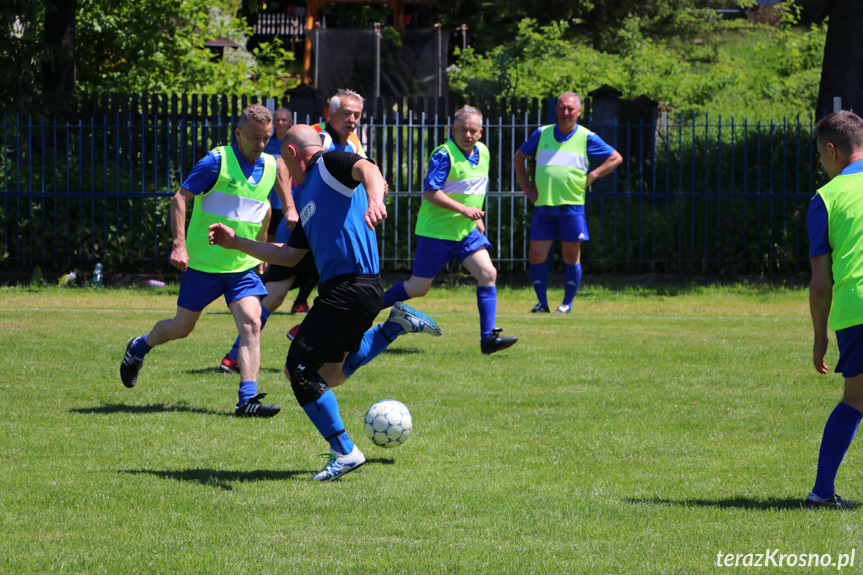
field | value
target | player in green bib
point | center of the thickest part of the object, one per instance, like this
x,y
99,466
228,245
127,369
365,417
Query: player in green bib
x,y
450,226
229,186
835,223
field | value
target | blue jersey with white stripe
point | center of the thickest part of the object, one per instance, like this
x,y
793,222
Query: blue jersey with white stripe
x,y
332,207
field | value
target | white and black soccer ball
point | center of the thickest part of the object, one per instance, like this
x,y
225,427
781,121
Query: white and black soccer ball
x,y
388,423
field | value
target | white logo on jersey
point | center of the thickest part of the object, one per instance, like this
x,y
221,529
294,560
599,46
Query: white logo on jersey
x,y
581,236
307,213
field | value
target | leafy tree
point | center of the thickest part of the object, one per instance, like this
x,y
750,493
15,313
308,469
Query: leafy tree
x,y
842,74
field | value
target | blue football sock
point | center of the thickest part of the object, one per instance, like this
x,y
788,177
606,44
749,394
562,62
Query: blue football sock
x,y
324,413
394,294
248,390
539,279
375,340
571,281
486,301
235,349
140,347
838,434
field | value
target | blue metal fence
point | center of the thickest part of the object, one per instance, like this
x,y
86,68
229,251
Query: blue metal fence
x,y
693,195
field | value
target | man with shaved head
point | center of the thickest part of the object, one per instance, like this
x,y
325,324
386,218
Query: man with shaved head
x,y
340,204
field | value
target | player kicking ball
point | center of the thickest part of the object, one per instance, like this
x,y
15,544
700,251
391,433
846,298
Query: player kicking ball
x,y
340,205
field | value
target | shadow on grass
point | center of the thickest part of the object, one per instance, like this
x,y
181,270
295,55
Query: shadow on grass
x,y
109,408
225,479
768,504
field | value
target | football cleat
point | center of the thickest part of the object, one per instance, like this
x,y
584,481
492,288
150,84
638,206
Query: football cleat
x,y
413,321
292,333
131,365
339,465
300,308
563,308
814,501
539,308
254,408
230,365
497,342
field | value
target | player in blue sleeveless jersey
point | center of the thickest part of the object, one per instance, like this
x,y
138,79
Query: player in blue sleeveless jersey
x,y
340,205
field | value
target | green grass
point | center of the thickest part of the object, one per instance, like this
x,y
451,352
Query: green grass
x,y
645,432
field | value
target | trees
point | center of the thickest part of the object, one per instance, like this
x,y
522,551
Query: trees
x,y
131,46
842,69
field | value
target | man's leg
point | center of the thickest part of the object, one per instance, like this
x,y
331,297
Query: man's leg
x,y
838,434
276,293
402,291
571,271
479,264
537,255
180,326
247,316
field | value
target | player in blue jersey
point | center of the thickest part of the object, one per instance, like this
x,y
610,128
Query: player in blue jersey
x,y
279,280
835,223
229,185
340,204
450,225
565,155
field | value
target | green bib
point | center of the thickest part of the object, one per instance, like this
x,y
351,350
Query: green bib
x,y
235,202
843,198
561,168
465,184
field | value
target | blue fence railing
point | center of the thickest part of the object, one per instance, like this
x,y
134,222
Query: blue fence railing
x,y
694,195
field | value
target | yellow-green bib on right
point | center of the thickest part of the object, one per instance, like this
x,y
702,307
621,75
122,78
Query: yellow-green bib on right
x,y
561,168
843,198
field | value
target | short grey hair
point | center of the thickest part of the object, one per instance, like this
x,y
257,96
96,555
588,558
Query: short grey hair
x,y
336,99
464,112
254,113
570,95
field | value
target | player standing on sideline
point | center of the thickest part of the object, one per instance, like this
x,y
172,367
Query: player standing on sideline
x,y
340,204
278,280
229,185
564,153
835,223
450,226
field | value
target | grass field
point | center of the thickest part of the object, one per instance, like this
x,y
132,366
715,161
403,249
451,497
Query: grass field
x,y
646,432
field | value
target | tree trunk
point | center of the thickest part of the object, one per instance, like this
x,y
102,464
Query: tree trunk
x,y
842,70
58,71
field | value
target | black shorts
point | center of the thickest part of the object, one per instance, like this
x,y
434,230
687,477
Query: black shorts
x,y
275,217
304,271
346,307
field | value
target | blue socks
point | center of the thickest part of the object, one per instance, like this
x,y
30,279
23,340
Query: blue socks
x,y
394,294
248,390
486,301
265,313
140,347
375,340
838,434
324,413
571,281
539,279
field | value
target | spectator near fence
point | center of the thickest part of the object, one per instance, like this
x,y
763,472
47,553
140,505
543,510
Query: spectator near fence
x,y
835,223
230,185
564,153
450,226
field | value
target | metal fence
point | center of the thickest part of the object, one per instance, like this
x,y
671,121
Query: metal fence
x,y
694,195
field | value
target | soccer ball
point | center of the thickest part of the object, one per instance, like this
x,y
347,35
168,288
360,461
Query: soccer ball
x,y
388,423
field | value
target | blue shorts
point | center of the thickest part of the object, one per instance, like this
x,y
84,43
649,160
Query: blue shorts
x,y
433,254
565,222
850,343
200,289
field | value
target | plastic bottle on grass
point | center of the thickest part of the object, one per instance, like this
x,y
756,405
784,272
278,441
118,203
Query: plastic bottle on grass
x,y
155,283
97,276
